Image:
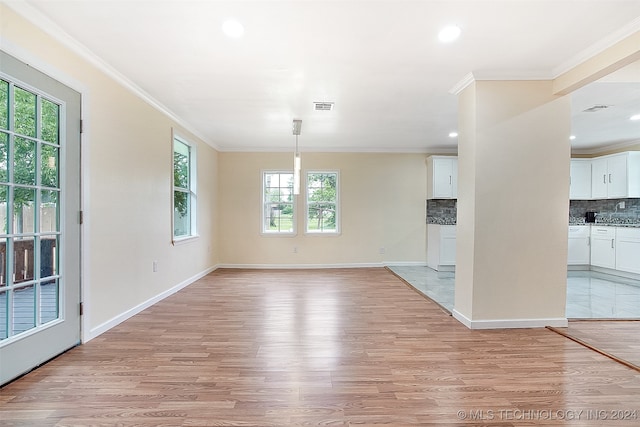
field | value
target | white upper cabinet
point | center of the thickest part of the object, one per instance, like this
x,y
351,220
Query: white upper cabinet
x,y
616,176
442,177
599,185
580,185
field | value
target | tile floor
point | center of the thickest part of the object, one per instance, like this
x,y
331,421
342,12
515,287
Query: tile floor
x,y
590,295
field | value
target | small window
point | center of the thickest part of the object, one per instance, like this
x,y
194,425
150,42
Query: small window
x,y
322,203
184,189
278,205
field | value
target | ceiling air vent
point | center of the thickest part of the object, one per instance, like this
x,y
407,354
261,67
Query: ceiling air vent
x,y
596,108
323,106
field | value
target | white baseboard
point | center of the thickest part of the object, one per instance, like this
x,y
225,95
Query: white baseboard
x,y
405,264
558,322
320,266
578,267
104,327
299,266
625,274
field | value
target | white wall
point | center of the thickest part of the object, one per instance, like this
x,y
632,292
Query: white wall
x,y
127,160
382,206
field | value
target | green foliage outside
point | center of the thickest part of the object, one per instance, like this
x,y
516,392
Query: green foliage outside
x,y
322,188
25,120
279,201
182,191
181,180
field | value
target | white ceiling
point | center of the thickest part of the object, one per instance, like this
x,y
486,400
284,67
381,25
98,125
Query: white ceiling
x,y
620,93
379,61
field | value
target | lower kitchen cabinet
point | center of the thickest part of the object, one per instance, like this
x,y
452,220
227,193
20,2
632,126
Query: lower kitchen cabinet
x,y
579,252
603,249
441,247
628,249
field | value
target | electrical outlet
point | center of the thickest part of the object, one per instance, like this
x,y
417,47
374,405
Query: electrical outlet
x,y
295,249
382,250
155,266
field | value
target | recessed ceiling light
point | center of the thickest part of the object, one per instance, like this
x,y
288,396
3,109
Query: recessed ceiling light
x,y
572,137
635,117
232,28
449,34
453,134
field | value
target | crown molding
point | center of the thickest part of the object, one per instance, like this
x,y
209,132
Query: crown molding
x,y
462,84
604,148
307,150
598,47
506,75
45,24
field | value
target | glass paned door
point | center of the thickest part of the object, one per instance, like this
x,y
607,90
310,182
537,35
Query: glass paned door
x,y
39,231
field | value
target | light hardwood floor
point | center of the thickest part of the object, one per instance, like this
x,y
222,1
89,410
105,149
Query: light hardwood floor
x,y
619,339
318,347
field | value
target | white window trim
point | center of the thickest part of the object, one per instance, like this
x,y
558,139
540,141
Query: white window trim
x,y
193,184
294,224
338,230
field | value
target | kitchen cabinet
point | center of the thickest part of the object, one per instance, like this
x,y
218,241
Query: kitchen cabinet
x,y
599,187
580,183
603,249
616,176
628,249
441,247
442,177
579,252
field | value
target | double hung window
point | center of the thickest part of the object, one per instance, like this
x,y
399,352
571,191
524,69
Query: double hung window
x,y
184,190
278,206
322,203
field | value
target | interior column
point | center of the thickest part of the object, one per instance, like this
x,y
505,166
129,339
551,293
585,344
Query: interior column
x,y
513,205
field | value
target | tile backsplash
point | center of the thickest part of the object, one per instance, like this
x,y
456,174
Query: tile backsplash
x,y
441,211
608,211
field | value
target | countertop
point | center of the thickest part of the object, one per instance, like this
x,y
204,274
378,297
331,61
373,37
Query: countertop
x,y
606,222
572,221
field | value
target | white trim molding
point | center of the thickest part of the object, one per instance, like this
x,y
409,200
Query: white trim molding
x,y
462,84
300,266
324,266
605,148
599,47
115,321
559,322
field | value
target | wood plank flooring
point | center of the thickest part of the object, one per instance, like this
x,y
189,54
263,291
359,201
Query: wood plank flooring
x,y
618,338
340,347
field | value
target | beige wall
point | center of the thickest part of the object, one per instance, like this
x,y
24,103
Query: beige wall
x,y
514,195
127,149
382,206
466,212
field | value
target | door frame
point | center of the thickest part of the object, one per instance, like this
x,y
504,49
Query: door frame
x,y
57,74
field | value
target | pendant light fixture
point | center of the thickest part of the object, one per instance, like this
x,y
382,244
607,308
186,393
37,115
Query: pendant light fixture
x,y
297,125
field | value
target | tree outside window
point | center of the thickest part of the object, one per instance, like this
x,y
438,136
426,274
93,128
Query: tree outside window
x,y
183,189
322,202
278,205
